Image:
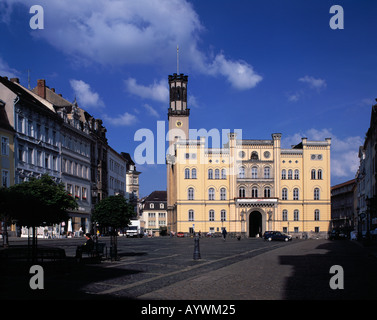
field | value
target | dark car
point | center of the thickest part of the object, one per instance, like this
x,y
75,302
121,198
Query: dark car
x,y
276,235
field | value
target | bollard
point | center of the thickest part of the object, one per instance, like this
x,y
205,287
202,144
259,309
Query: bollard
x,y
196,249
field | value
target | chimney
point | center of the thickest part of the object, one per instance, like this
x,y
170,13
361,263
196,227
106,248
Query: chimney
x,y
41,88
16,80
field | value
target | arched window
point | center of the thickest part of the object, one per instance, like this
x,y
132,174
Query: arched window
x,y
223,173
241,173
254,192
190,194
254,173
242,192
295,194
211,194
193,173
319,174
191,215
285,215
283,174
290,174
210,174
267,192
187,173
296,215
284,194
211,215
313,174
316,194
297,174
316,215
223,215
217,174
222,194
267,172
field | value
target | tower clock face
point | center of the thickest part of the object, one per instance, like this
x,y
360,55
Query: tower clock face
x,y
178,124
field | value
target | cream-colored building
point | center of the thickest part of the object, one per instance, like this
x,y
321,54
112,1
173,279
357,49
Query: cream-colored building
x,y
247,186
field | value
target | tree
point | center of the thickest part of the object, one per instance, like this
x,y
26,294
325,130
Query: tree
x,y
38,202
115,213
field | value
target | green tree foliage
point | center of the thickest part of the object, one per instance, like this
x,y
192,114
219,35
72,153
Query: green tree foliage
x,y
38,202
114,212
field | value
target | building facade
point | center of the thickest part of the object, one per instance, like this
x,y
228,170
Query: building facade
x,y
246,187
366,179
154,213
43,133
343,198
116,173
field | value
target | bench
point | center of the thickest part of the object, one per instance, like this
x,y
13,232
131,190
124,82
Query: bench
x,y
99,251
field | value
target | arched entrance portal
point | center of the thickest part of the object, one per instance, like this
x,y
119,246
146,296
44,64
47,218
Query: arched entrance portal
x,y
255,224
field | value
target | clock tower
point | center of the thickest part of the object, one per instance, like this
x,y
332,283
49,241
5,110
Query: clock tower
x,y
178,113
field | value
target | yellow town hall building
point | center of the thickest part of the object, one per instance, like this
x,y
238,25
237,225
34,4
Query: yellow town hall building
x,y
247,186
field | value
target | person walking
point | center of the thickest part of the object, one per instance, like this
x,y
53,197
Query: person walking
x,y
224,232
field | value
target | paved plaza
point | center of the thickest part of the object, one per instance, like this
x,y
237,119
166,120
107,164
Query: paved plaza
x,y
164,268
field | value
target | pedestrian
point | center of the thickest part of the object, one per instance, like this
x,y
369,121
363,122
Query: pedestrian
x,y
86,247
224,232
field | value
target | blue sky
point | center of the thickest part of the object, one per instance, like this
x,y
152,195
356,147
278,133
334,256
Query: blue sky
x,y
260,66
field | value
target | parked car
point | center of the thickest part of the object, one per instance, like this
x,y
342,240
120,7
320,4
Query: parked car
x,y
180,234
337,235
276,235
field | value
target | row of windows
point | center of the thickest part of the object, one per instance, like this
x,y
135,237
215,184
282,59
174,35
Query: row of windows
x,y
35,130
37,157
254,193
211,194
211,215
75,169
151,206
152,223
290,174
254,173
116,167
217,174
296,194
79,193
116,184
296,215
160,214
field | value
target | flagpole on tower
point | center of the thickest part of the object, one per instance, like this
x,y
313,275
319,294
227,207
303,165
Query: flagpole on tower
x,y
177,59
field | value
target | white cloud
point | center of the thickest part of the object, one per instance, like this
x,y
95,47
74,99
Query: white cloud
x,y
240,74
313,82
125,119
113,32
6,70
344,151
158,91
294,97
85,96
151,111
